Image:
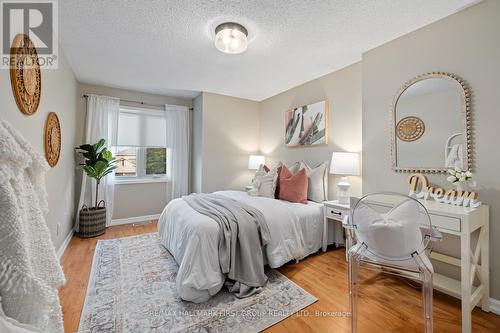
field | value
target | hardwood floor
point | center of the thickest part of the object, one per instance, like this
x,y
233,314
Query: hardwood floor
x,y
386,303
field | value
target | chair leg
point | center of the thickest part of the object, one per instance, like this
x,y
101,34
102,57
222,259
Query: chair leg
x,y
354,260
427,294
427,291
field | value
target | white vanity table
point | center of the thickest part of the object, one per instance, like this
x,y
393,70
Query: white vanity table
x,y
473,287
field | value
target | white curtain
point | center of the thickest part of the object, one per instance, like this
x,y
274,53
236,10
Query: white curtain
x,y
101,123
177,143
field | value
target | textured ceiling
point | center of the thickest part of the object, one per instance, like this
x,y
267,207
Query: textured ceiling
x,y
167,46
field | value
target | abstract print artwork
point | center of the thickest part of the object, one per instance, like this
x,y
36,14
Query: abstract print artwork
x,y
307,125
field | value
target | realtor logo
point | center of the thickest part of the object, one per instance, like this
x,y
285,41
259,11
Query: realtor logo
x,y
36,19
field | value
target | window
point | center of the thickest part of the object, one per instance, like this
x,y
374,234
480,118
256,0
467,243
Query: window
x,y
140,157
141,163
156,161
126,162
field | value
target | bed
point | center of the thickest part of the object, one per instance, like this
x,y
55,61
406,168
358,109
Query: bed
x,y
192,238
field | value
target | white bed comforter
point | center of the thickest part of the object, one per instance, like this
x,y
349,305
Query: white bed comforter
x,y
193,238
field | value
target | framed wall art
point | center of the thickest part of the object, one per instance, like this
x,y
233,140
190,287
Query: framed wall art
x,y
307,125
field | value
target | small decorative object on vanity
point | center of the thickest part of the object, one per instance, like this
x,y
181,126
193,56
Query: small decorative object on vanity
x,y
345,164
99,162
52,139
420,188
459,177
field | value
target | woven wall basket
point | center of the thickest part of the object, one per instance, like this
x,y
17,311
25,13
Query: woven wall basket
x,y
92,220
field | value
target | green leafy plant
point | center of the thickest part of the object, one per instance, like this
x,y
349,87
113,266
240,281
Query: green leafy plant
x,y
99,162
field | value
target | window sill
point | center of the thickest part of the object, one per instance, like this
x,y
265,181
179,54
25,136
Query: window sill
x,y
141,180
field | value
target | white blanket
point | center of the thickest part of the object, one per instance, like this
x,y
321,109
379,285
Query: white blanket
x,y
193,238
30,273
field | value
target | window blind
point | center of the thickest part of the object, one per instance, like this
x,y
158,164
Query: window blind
x,y
141,128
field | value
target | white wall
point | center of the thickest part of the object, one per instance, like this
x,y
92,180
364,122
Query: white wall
x,y
59,95
343,91
131,200
466,44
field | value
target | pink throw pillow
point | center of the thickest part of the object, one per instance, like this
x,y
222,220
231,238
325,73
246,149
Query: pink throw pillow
x,y
277,193
293,188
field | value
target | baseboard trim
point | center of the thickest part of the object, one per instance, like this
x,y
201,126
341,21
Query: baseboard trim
x,y
495,306
64,245
135,219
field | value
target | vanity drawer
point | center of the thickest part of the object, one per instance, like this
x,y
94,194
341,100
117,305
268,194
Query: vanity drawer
x,y
446,222
335,213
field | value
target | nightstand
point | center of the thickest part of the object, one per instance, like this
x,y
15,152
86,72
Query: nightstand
x,y
335,212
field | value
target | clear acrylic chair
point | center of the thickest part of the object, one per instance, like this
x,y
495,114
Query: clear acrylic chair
x,y
391,232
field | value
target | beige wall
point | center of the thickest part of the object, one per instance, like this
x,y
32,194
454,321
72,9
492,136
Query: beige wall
x,y
197,145
230,132
131,200
59,95
467,44
343,91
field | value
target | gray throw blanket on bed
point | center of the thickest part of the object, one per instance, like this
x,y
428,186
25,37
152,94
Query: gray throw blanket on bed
x,y
243,234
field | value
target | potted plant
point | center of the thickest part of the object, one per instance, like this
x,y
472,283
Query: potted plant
x,y
98,162
459,177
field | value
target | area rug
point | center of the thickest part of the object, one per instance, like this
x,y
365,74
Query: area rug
x,y
132,289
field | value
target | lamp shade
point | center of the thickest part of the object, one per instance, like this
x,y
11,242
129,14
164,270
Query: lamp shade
x,y
254,161
344,163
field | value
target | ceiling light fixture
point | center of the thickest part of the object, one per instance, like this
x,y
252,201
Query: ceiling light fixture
x,y
231,38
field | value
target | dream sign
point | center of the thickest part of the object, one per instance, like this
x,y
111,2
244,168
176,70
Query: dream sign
x,y
420,188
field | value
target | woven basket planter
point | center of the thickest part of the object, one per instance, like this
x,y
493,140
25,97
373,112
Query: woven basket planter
x,y
92,221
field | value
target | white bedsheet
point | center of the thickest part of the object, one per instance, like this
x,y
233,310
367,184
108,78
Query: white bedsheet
x,y
193,238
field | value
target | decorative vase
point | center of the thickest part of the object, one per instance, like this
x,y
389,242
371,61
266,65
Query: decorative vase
x,y
92,220
459,186
468,185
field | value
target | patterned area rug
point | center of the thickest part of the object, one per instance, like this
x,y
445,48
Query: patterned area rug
x,y
132,289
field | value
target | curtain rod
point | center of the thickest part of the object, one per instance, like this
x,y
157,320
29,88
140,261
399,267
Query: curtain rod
x,y
138,102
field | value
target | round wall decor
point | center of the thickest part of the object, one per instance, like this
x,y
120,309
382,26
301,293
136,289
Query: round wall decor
x,y
410,129
52,139
25,76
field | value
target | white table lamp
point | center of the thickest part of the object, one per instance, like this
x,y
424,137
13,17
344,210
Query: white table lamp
x,y
254,161
344,163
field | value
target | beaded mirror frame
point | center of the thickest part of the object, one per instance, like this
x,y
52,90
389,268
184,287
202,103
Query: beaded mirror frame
x,y
466,121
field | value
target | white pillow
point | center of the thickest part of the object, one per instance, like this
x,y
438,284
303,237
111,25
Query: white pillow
x,y
393,235
317,188
264,183
295,167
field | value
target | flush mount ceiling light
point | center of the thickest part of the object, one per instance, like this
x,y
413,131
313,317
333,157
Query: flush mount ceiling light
x,y
231,38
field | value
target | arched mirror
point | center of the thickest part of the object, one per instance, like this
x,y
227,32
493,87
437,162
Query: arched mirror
x,y
430,120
